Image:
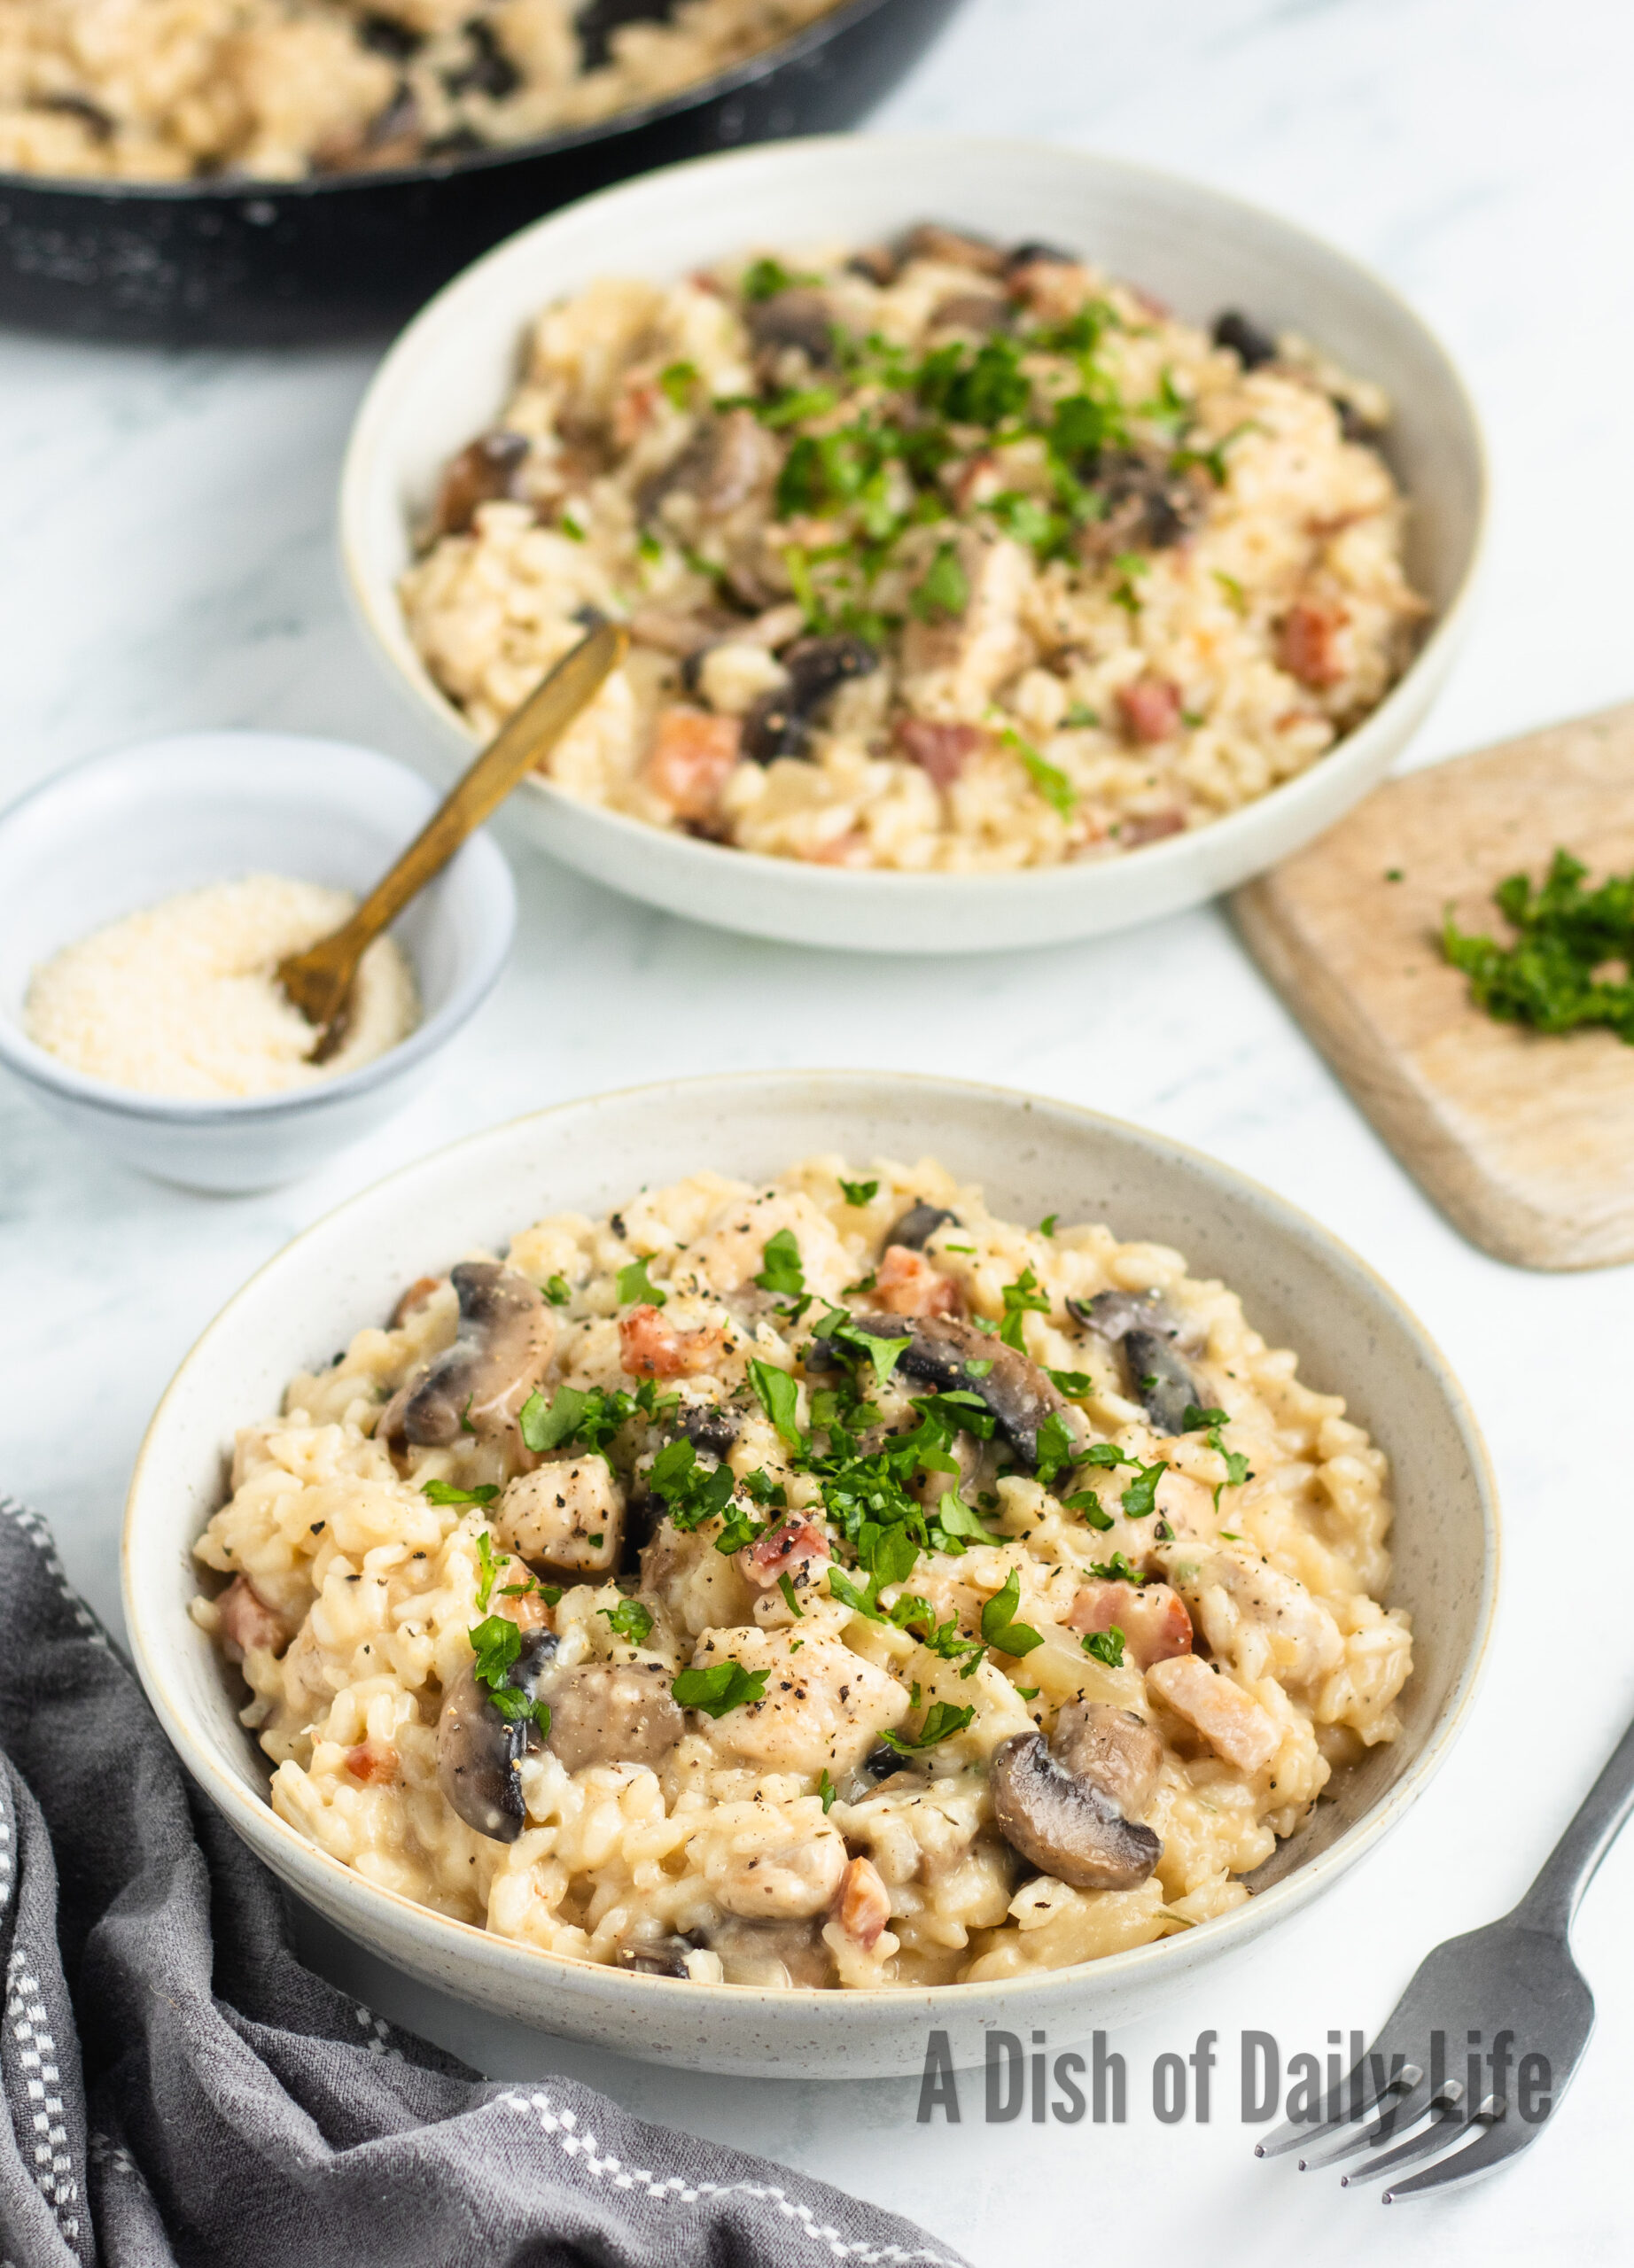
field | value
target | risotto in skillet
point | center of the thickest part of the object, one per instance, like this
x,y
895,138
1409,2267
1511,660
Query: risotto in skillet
x,y
935,556
821,1584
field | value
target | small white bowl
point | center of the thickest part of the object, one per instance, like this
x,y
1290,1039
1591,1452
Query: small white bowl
x,y
127,829
451,371
1300,1287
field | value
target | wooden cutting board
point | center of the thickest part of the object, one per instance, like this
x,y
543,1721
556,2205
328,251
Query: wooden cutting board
x,y
1526,1141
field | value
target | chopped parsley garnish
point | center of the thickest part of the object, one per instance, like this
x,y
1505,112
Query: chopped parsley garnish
x,y
635,1284
692,1492
1106,1646
1023,1297
975,1370
860,1192
677,381
942,1721
1080,718
837,1330
1057,1449
587,1417
1073,1384
946,587
1235,593
1140,1496
785,1583
488,1564
722,1686
1128,565
826,1791
957,1523
1088,1507
764,279
559,1291
1117,1570
1555,976
1107,1455
448,1491
497,1642
781,1273
779,1397
1046,1226
1000,1627
1236,1463
1050,780
629,1620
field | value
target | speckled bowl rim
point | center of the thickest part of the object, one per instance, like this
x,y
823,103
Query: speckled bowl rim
x,y
257,1822
491,878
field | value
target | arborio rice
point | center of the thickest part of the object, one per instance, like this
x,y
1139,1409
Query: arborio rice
x,y
160,90
935,556
821,1584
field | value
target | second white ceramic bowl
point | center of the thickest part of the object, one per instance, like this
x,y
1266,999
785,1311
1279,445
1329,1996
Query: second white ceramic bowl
x,y
449,374
1300,1288
127,829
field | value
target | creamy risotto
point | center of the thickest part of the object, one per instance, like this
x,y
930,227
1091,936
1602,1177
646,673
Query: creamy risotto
x,y
160,89
936,555
821,1584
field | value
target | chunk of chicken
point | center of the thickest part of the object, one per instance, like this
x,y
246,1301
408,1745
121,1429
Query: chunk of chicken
x,y
822,1708
951,668
568,1515
771,1867
1264,1622
610,1712
1231,1720
1152,1618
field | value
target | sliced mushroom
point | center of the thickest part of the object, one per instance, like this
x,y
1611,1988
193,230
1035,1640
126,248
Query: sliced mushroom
x,y
800,317
505,1341
659,1956
708,1426
1016,1392
478,1750
1164,1383
1067,1823
920,1222
1148,508
722,465
774,1954
954,247
1032,254
780,723
1152,1337
1250,343
1114,1748
611,1713
483,471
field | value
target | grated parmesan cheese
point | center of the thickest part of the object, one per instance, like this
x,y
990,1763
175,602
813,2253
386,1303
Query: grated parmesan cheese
x,y
180,999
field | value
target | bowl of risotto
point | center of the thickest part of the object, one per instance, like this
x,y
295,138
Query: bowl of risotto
x,y
738,1570
1015,544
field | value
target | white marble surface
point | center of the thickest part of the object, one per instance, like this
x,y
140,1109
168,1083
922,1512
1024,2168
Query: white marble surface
x,y
168,562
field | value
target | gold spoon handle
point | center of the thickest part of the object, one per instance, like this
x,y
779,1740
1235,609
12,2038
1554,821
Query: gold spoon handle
x,y
318,980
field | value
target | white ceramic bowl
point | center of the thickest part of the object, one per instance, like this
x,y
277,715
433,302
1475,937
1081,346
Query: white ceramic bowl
x,y
1300,1288
448,375
127,829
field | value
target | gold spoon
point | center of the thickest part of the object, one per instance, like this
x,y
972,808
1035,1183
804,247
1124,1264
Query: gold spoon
x,y
319,981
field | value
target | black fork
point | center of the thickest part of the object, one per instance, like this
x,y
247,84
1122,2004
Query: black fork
x,y
1476,2055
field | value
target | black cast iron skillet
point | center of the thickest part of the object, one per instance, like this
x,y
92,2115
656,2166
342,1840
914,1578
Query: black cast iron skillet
x,y
345,255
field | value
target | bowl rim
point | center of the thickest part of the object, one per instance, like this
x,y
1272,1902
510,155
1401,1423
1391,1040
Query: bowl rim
x,y
253,1818
489,882
211,193
379,610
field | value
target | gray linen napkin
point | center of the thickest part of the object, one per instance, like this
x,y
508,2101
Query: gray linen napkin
x,y
180,2090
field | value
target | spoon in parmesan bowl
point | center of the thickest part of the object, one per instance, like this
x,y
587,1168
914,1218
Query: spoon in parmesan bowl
x,y
319,981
